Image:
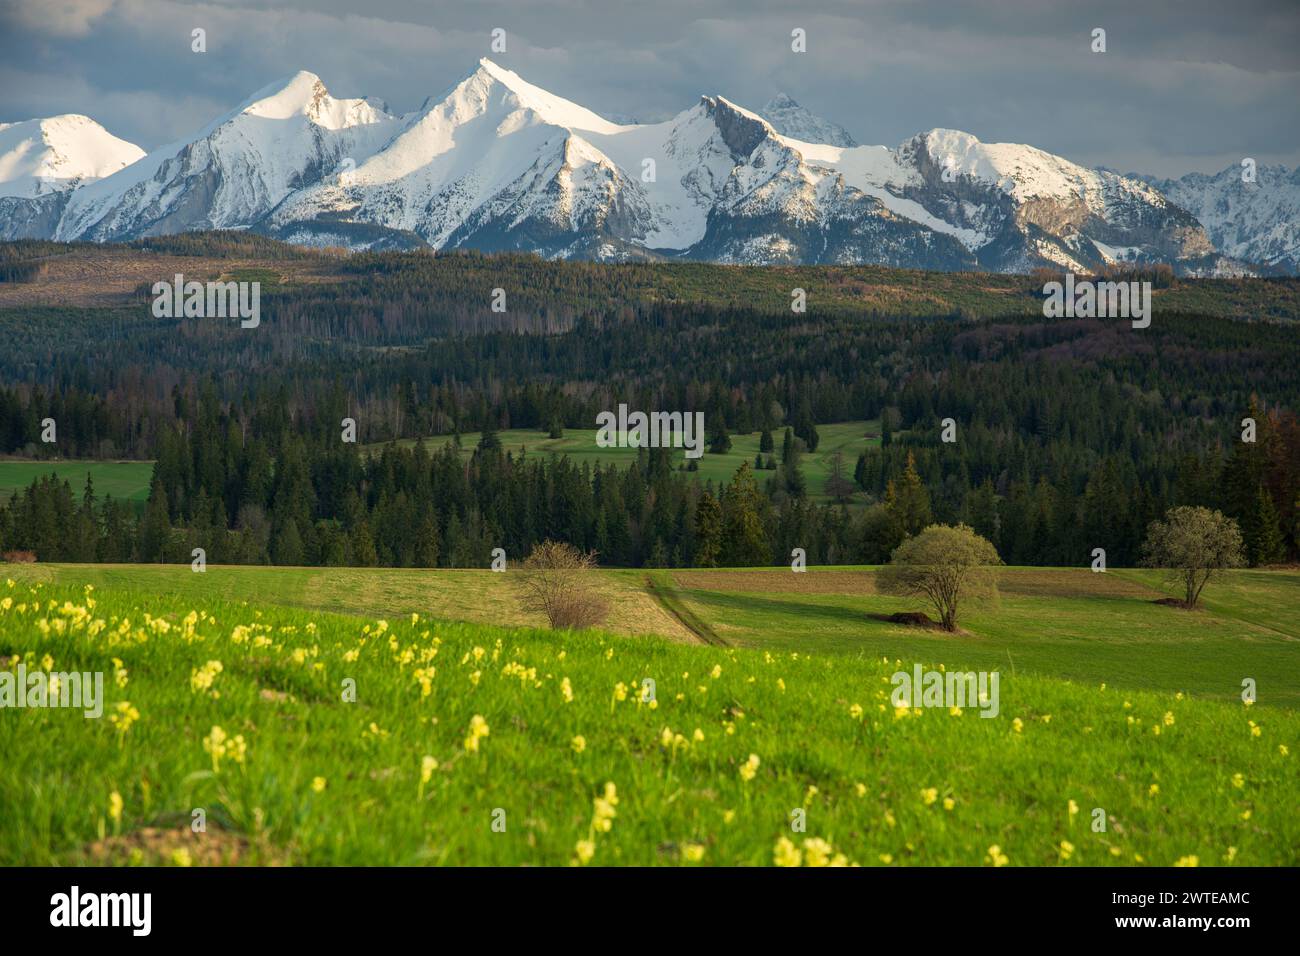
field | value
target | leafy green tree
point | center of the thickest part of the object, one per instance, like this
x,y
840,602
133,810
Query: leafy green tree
x,y
947,565
1194,544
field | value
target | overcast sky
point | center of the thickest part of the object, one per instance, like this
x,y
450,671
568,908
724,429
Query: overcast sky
x,y
1183,85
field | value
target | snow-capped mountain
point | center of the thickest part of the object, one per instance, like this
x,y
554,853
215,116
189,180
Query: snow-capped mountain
x,y
1256,222
790,119
501,164
498,163
43,160
235,170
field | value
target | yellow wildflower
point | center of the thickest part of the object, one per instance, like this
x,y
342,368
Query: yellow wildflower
x,y
478,728
786,853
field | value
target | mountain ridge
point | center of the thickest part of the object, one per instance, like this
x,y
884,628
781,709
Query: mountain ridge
x,y
497,163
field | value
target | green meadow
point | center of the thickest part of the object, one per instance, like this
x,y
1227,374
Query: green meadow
x,y
306,736
848,438
329,716
124,480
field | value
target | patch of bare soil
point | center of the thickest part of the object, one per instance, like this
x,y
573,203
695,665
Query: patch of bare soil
x,y
179,846
917,619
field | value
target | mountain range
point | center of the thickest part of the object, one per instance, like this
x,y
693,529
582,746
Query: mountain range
x,y
496,163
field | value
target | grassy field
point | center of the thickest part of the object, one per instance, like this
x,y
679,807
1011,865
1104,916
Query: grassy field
x,y
463,595
1067,623
849,438
1052,622
124,480
471,743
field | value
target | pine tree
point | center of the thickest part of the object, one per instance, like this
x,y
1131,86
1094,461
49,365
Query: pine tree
x,y
744,543
708,531
909,500
426,542
363,546
488,440
286,549
155,527
1268,546
982,511
805,427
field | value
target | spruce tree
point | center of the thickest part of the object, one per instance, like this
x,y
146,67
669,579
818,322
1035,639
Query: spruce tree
x,y
1268,546
708,531
909,500
744,542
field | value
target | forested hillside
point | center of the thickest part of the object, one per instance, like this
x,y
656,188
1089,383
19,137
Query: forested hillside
x,y
1068,434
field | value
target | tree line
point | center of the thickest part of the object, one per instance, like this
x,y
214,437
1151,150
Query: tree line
x,y
287,491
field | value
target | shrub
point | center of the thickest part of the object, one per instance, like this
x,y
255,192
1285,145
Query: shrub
x,y
554,581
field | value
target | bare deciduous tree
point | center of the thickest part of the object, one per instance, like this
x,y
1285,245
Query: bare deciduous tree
x,y
556,580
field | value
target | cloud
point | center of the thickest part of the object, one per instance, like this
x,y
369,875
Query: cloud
x,y
1181,86
60,18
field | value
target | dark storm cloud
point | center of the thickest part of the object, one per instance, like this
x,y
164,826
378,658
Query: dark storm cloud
x,y
1182,85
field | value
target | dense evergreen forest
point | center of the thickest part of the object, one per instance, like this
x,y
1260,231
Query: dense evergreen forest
x,y
1070,434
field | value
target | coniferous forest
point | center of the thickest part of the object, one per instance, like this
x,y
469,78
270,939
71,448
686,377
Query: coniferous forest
x,y
1070,434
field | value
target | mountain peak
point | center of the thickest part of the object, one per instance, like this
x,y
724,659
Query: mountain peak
x,y
741,130
790,119
285,96
54,153
548,107
304,94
